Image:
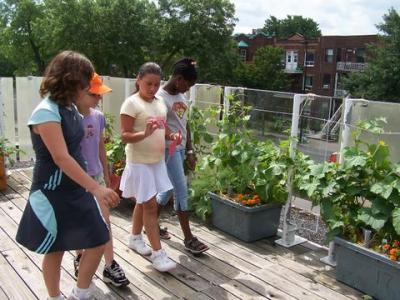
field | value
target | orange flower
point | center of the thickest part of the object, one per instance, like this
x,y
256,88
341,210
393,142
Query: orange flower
x,y
240,197
393,252
244,202
393,257
386,247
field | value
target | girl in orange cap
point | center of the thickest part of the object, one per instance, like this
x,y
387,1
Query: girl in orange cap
x,y
94,151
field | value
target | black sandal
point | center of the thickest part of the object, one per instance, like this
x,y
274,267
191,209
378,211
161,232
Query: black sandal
x,y
195,246
164,234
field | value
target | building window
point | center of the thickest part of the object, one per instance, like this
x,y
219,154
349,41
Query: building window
x,y
326,81
295,56
310,59
360,55
243,54
308,82
329,55
339,54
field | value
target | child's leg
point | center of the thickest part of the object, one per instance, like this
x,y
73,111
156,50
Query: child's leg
x,y
183,217
109,250
51,272
88,265
151,223
137,219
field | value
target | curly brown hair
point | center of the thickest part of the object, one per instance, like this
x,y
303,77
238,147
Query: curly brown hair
x,y
67,72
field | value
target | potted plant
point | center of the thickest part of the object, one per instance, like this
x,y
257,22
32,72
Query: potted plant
x,y
246,178
7,151
115,151
360,202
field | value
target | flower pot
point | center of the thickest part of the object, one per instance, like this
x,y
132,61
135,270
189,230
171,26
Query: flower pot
x,y
3,174
366,270
114,183
246,223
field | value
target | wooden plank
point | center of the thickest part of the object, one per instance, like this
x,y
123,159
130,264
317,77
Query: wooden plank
x,y
130,292
320,277
307,283
195,264
302,265
21,263
263,288
274,254
100,290
3,294
12,285
176,251
180,282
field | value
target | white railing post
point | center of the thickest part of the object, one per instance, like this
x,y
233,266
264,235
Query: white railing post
x,y
289,237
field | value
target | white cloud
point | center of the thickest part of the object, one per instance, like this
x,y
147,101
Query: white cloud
x,y
335,17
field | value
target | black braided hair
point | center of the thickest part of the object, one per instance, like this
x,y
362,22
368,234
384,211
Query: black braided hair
x,y
185,67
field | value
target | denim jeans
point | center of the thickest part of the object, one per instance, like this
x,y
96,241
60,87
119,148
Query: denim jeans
x,y
178,179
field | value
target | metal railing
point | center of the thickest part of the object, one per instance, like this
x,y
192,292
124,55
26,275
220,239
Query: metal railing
x,y
350,66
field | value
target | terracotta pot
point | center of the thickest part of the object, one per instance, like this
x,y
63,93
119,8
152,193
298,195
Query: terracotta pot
x,y
3,174
114,183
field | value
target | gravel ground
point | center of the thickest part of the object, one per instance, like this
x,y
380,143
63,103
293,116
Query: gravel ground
x,y
310,225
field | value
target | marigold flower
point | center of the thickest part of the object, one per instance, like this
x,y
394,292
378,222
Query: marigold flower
x,y
393,252
393,257
386,247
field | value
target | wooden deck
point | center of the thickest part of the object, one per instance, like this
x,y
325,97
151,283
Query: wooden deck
x,y
231,269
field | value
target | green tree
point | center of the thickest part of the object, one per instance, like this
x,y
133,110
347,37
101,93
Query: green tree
x,y
266,72
201,29
381,79
291,25
21,42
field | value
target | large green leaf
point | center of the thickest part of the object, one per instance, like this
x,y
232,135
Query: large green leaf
x,y
382,189
366,216
396,219
357,160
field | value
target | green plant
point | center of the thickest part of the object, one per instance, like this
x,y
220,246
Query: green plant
x,y
362,192
115,149
116,155
239,164
201,138
8,151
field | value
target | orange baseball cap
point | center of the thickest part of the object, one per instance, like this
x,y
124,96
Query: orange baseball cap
x,y
97,86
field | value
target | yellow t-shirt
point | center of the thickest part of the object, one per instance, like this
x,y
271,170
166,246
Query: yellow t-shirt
x,y
151,149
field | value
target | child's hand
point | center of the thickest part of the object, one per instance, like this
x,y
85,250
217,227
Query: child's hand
x,y
106,196
177,136
151,126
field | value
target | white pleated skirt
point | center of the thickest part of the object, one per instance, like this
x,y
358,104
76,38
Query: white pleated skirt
x,y
144,181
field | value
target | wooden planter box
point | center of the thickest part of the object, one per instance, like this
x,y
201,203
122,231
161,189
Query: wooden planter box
x,y
246,223
366,270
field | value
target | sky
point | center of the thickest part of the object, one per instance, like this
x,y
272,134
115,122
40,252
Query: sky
x,y
335,17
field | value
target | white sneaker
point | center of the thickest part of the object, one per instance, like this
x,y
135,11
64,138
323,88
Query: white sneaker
x,y
73,296
161,261
136,243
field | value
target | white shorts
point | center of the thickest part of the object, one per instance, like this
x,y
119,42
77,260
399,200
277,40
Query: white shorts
x,y
144,181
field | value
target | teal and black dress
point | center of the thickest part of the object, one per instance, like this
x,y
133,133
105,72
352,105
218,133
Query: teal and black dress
x,y
60,214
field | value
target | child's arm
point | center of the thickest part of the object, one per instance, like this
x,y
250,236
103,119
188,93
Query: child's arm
x,y
128,135
103,160
53,138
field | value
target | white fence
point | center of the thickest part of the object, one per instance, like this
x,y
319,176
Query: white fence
x,y
271,116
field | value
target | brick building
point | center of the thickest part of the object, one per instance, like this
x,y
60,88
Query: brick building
x,y
315,65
